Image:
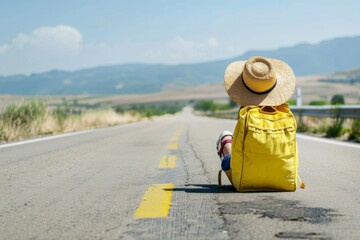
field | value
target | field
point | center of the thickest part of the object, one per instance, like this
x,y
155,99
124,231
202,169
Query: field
x,y
312,89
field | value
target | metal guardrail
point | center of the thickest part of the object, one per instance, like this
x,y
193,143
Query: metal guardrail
x,y
343,111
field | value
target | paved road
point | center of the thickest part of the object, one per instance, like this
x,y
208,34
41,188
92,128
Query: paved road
x,y
89,186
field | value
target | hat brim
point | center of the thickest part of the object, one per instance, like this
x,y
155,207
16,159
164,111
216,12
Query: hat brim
x,y
285,85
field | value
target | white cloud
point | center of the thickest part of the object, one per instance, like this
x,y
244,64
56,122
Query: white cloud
x,y
61,39
43,49
63,47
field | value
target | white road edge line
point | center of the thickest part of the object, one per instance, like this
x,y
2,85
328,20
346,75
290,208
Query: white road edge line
x,y
322,140
41,139
61,135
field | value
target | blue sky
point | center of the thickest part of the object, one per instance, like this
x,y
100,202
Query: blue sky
x,y
40,35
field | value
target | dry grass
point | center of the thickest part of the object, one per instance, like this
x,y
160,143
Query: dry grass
x,y
320,127
90,119
48,123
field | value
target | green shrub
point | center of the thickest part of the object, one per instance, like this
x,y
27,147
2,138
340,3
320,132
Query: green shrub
x,y
205,105
210,105
23,119
119,109
302,127
2,133
232,104
317,103
60,116
355,131
336,129
337,99
291,102
24,114
149,110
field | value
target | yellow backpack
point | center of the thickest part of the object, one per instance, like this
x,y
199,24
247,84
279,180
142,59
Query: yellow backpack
x,y
264,150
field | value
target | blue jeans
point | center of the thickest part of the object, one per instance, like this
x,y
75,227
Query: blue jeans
x,y
225,164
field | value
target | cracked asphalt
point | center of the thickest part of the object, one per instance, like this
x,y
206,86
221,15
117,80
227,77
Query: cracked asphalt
x,y
88,186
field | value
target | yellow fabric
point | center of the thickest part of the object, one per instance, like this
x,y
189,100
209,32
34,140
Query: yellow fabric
x,y
264,150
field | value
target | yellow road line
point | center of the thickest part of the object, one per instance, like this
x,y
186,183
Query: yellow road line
x,y
173,146
175,138
177,134
156,202
168,161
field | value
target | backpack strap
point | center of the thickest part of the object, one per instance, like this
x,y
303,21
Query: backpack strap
x,y
302,184
219,179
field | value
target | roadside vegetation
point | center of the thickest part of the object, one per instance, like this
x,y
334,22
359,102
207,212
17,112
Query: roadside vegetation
x,y
151,110
335,127
22,120
212,106
344,129
34,117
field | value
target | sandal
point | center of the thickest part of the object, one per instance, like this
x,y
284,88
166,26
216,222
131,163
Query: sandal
x,y
220,144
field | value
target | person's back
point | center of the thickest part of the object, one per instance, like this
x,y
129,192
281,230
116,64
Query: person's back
x,y
263,154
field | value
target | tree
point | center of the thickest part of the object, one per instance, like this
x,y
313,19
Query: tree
x,y
337,99
232,104
205,105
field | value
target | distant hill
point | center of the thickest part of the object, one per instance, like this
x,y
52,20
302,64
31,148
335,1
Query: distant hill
x,y
305,59
326,57
350,76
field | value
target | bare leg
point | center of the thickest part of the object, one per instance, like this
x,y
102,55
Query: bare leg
x,y
227,146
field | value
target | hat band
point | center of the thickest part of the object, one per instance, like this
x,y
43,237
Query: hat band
x,y
258,93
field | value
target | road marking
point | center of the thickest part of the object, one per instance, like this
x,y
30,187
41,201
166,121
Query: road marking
x,y
156,202
44,139
322,140
168,161
175,138
173,146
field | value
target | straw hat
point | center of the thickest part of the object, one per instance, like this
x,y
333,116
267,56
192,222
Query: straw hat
x,y
259,81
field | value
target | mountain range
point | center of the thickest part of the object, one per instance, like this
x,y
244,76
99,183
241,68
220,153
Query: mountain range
x,y
328,56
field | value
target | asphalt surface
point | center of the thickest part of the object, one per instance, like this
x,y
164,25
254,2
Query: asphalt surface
x,y
88,185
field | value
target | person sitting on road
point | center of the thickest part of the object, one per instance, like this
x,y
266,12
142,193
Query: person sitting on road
x,y
259,81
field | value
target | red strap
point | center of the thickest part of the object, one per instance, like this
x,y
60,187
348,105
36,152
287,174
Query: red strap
x,y
223,144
